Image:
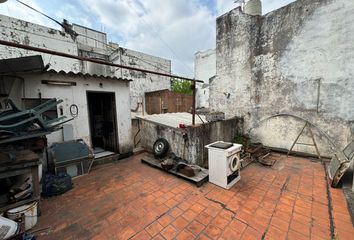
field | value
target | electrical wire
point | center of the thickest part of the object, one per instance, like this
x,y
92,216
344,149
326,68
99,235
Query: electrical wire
x,y
56,21
158,35
71,32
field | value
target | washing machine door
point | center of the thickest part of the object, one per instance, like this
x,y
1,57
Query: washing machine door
x,y
235,163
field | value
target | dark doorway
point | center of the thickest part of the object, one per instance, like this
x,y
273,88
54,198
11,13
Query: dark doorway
x,y
102,119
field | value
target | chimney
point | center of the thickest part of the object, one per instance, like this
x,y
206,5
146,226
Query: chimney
x,y
253,7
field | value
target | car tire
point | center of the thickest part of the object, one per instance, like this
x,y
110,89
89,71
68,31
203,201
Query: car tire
x,y
160,148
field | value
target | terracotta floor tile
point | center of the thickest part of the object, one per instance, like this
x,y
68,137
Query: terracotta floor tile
x,y
154,228
171,203
185,235
320,232
212,231
184,206
237,226
128,197
230,234
127,233
158,237
292,235
141,236
180,223
198,208
176,212
251,234
204,218
195,227
165,220
274,233
300,227
280,224
204,237
220,222
169,232
189,215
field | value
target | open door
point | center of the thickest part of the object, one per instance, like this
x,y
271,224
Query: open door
x,y
103,122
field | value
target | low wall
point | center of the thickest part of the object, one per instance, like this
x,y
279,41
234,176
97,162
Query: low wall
x,y
198,137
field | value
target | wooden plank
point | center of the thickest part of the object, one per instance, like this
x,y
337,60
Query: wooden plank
x,y
199,179
17,204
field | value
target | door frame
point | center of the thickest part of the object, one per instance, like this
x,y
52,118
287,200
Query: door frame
x,y
115,121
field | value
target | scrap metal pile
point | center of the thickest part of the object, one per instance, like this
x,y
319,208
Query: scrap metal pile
x,y
18,125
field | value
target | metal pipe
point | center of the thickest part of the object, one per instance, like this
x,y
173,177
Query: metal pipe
x,y
61,54
193,107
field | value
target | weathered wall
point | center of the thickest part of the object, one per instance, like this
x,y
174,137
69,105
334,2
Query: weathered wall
x,y
198,137
143,82
32,87
19,31
204,69
15,30
298,59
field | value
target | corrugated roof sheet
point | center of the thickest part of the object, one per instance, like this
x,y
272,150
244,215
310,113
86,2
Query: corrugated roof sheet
x,y
80,74
172,119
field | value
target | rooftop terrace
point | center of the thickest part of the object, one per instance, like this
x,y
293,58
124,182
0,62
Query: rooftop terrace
x,y
130,200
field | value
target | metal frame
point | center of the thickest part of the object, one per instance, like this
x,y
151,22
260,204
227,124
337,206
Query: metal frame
x,y
306,144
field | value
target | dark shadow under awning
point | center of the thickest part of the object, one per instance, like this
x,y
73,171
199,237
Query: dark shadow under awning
x,y
21,65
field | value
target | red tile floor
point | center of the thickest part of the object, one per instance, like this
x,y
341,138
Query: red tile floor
x,y
131,200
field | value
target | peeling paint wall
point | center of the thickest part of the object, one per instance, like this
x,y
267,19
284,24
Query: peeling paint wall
x,y
143,82
33,88
298,59
19,31
15,30
204,69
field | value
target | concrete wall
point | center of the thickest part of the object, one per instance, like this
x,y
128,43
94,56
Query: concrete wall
x,y
32,87
143,82
15,30
199,136
204,69
298,59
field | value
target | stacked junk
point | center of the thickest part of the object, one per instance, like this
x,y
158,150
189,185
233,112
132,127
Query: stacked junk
x,y
22,138
170,162
225,161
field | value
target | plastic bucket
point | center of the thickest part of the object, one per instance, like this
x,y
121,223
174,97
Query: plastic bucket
x,y
30,212
8,228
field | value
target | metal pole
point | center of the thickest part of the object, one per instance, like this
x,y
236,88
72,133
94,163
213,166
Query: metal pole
x,y
193,107
61,54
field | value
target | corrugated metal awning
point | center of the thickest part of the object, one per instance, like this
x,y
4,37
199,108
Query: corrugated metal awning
x,y
80,74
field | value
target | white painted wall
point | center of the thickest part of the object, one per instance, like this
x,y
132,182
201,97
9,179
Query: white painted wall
x,y
204,69
77,95
142,82
16,30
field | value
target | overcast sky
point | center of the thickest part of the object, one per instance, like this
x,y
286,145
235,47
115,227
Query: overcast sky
x,y
172,29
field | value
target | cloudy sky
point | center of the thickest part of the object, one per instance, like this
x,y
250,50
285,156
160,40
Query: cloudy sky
x,y
172,29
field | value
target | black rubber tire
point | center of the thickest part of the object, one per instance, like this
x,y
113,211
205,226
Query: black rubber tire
x,y
160,148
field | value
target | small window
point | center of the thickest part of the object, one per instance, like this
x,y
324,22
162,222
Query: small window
x,y
30,103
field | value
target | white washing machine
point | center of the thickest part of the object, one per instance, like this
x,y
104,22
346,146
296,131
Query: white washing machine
x,y
224,163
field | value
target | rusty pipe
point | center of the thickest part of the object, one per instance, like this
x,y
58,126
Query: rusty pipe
x,y
194,100
61,54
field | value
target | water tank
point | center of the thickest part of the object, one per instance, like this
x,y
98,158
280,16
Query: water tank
x,y
253,7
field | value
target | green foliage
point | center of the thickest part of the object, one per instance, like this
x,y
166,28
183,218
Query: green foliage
x,y
181,86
